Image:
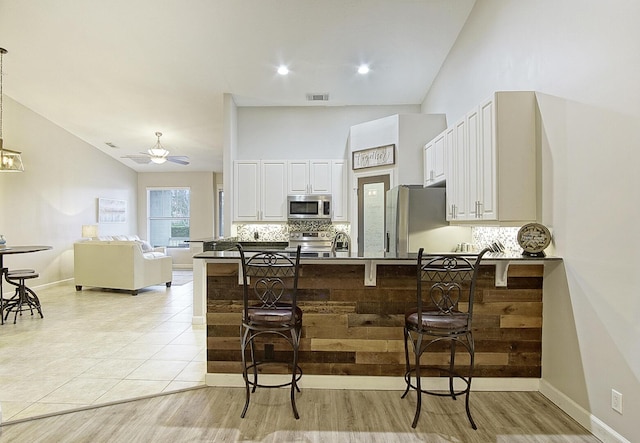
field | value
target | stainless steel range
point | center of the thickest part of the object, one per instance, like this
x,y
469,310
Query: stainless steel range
x,y
310,241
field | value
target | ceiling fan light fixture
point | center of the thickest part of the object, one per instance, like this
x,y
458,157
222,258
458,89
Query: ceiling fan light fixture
x,y
158,154
158,160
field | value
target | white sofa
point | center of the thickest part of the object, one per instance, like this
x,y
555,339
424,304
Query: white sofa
x,y
120,264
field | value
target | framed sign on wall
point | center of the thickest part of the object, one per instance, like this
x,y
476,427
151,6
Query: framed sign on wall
x,y
112,211
369,158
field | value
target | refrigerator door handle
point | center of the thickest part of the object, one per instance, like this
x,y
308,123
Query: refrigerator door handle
x,y
387,241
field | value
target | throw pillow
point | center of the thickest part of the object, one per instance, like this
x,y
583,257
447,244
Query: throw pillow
x,y
146,247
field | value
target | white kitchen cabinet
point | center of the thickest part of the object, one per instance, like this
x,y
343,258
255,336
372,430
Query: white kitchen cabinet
x,y
493,162
309,177
246,184
434,166
339,191
451,162
260,190
457,198
274,191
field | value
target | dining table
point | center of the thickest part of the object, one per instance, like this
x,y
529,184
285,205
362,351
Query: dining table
x,y
7,250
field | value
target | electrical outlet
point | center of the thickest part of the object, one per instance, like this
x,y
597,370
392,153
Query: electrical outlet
x,y
616,401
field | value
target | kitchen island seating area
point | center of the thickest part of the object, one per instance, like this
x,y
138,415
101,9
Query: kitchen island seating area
x,y
442,317
269,287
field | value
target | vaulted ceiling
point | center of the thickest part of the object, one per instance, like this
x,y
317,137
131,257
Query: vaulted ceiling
x,y
117,71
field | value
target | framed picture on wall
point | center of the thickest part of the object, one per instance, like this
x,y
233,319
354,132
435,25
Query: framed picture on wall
x,y
112,211
370,158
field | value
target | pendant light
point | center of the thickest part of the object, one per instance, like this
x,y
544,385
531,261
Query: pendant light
x,y
10,161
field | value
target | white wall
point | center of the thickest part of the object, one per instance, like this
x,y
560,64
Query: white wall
x,y
583,56
303,132
58,192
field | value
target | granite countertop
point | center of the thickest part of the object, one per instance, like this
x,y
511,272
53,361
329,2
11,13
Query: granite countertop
x,y
230,254
229,243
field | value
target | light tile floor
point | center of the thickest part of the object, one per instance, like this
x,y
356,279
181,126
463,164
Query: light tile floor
x,y
98,346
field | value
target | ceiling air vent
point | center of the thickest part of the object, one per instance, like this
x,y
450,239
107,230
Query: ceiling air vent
x,y
318,97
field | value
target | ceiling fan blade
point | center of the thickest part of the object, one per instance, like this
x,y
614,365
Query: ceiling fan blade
x,y
179,159
140,159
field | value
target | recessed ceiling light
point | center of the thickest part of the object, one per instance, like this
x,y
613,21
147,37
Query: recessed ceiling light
x,y
283,70
363,69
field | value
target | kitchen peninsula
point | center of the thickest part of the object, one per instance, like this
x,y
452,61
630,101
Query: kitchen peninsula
x,y
354,315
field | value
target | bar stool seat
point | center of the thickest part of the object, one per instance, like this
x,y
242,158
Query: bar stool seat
x,y
25,298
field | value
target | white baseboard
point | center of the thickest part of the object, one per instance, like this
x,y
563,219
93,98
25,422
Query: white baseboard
x,y
590,422
377,383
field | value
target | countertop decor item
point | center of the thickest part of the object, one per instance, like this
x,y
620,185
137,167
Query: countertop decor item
x,y
534,239
3,242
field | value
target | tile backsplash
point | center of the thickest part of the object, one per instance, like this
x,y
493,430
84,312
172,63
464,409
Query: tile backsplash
x,y
485,235
481,236
280,232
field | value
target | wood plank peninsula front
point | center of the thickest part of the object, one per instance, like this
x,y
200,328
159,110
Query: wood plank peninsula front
x,y
354,315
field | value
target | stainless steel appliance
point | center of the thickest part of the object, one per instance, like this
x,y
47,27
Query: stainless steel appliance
x,y
309,207
310,241
416,218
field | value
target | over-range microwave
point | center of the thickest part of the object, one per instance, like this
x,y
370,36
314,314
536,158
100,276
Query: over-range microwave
x,y
309,207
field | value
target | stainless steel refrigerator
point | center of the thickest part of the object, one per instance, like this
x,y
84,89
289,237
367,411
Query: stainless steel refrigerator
x,y
416,218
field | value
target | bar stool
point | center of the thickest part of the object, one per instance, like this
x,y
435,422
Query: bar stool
x,y
24,296
270,285
443,314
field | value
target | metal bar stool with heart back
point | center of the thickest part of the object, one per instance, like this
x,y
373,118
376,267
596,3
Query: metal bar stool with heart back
x,y
443,315
270,286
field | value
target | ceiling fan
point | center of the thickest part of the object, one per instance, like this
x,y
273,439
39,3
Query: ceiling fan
x,y
158,154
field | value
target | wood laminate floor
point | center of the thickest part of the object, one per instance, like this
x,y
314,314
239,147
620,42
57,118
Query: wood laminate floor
x,y
211,414
100,347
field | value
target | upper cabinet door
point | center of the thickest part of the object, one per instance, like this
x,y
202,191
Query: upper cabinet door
x,y
434,166
246,180
298,177
339,191
473,160
487,163
274,191
320,182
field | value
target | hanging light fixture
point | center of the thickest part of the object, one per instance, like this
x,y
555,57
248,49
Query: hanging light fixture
x,y
10,161
158,154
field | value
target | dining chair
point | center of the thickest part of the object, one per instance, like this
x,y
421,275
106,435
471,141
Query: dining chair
x,y
442,318
270,286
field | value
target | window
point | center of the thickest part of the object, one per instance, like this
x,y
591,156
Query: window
x,y
168,217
